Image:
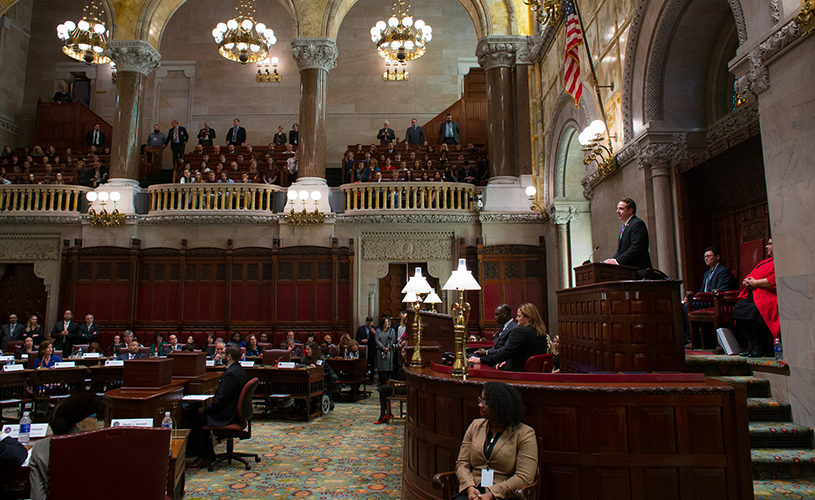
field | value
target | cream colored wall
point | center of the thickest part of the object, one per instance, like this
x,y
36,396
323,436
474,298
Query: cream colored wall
x,y
14,42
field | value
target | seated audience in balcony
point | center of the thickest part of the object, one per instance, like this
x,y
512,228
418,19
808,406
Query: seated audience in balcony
x,y
527,340
199,149
394,176
199,178
436,177
377,177
37,151
244,178
294,135
291,168
289,150
45,356
388,166
428,165
186,177
270,176
450,174
211,178
230,149
348,164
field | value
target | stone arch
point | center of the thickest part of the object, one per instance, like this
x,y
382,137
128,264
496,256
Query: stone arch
x,y
564,116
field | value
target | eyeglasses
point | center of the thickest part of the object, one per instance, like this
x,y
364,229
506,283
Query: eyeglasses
x,y
482,401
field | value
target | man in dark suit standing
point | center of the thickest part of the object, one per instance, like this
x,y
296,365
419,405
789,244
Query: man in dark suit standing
x,y
632,245
386,134
448,131
415,135
717,277
205,135
132,352
236,135
221,412
88,331
95,137
503,315
364,333
177,138
11,331
64,333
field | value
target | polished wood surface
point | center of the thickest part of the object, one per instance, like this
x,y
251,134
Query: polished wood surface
x,y
598,272
136,403
621,326
188,364
151,373
176,468
633,440
437,329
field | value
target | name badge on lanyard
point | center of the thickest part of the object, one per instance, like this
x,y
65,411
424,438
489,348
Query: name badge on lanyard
x,y
487,477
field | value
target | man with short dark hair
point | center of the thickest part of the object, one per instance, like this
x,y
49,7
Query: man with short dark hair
x,y
632,244
177,139
222,411
717,277
132,352
414,135
173,344
448,131
366,335
503,316
236,135
11,331
95,137
65,332
88,331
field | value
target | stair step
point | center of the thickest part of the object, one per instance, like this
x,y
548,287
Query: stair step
x,y
779,435
718,366
756,387
783,490
779,463
768,410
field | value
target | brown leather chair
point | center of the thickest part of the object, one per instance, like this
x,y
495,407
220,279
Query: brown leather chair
x,y
272,356
241,430
147,449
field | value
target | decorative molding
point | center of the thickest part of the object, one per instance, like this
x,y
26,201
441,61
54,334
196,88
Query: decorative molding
x,y
406,219
209,219
381,269
497,51
775,12
595,177
45,220
188,67
40,270
656,153
30,236
562,215
512,250
628,70
415,247
25,250
511,217
538,45
738,17
8,122
757,79
315,53
732,122
134,55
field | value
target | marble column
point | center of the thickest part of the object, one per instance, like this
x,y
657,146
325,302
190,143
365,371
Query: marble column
x,y
663,213
561,217
315,57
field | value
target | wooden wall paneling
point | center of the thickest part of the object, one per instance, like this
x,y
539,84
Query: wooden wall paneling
x,y
22,293
228,286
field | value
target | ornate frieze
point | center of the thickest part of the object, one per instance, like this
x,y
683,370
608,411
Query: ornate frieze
x,y
757,79
134,55
25,248
210,219
406,219
733,122
511,217
315,53
415,247
562,215
655,153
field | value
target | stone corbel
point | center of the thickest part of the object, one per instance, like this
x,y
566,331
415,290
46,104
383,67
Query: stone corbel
x,y
315,53
133,55
495,51
756,80
562,214
656,153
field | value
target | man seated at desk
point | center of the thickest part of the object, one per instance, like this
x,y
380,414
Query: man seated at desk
x,y
291,346
219,355
132,352
222,411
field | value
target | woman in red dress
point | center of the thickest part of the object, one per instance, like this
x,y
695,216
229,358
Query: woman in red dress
x,y
756,312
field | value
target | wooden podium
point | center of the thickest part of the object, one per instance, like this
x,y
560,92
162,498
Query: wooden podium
x,y
599,272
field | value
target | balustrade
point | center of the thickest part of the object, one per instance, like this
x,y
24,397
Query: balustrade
x,y
35,198
408,196
213,197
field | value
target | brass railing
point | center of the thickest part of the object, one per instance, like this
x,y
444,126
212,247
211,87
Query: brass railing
x,y
211,197
408,196
35,198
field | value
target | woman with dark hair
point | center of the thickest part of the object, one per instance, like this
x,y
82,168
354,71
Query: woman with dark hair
x,y
94,347
385,341
27,348
209,345
236,338
190,342
312,356
310,338
252,348
112,350
157,348
756,312
45,356
386,390
527,340
498,442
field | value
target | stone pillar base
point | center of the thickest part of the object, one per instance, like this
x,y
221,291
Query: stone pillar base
x,y
128,188
506,194
311,184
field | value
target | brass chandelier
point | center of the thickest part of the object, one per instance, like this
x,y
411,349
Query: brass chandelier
x,y
86,40
401,39
546,11
243,40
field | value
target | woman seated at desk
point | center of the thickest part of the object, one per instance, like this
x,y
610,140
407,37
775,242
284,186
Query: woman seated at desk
x,y
157,348
46,357
113,350
237,339
528,340
252,348
94,347
191,342
313,356
26,348
352,350
209,345
497,442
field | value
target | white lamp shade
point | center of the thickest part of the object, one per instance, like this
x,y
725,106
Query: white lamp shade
x,y
90,196
461,279
417,284
292,194
597,127
103,196
275,61
115,196
433,298
83,25
303,195
531,191
410,298
260,27
316,195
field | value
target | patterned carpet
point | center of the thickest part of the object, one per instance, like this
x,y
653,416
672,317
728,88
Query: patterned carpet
x,y
340,456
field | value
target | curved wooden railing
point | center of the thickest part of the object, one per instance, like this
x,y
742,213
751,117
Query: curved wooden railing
x,y
408,196
213,197
35,198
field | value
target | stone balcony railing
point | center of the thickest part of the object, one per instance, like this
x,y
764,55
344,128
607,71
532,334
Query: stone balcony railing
x,y
212,198
408,197
33,199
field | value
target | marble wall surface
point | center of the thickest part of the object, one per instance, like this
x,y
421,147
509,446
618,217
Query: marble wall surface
x,y
14,40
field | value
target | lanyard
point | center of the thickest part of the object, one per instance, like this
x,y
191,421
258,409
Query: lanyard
x,y
489,444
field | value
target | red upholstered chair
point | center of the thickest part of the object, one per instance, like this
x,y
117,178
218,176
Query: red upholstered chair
x,y
147,452
272,356
13,346
540,363
242,430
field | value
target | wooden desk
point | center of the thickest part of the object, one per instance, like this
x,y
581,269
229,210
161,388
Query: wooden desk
x,y
303,385
55,383
128,403
106,378
13,391
177,466
351,372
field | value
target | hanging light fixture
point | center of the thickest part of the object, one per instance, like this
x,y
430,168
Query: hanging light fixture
x,y
242,39
546,11
401,39
86,40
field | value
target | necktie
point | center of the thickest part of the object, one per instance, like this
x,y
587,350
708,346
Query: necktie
x,y
235,135
449,130
96,137
176,134
622,231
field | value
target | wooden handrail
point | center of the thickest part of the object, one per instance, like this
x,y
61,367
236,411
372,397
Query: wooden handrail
x,y
65,125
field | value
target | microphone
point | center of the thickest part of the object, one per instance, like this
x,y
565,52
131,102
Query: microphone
x,y
588,261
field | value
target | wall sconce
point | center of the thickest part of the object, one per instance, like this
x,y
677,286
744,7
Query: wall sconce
x,y
531,191
103,218
546,11
592,140
305,218
461,279
416,289
433,299
267,77
392,71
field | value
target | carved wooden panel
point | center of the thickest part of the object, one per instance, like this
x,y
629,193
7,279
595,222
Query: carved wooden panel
x,y
23,293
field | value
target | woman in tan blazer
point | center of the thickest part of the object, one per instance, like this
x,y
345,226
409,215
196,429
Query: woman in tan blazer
x,y
498,444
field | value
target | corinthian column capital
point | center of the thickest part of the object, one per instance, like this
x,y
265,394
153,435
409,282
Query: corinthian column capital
x,y
495,51
134,55
315,53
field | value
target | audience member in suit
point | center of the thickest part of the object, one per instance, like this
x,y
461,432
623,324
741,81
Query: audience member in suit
x,y
62,95
95,137
289,336
11,331
88,331
291,346
177,138
363,336
132,352
294,135
500,441
632,245
45,356
205,135
415,135
386,134
219,352
222,411
717,277
279,139
503,316
528,339
236,135
65,332
173,344
76,413
448,131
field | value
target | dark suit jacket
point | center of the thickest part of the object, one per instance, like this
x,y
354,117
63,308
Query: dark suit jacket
x,y
455,131
12,454
224,407
183,136
61,343
632,247
279,139
89,139
722,279
294,137
205,138
7,333
523,342
126,356
500,338
385,136
241,136
415,136
88,335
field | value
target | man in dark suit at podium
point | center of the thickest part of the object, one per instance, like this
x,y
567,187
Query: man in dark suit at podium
x,y
503,315
632,245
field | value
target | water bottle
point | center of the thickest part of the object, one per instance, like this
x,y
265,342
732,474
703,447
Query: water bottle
x,y
168,420
779,350
25,429
9,362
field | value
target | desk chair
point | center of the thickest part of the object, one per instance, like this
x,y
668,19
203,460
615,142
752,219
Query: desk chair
x,y
447,482
272,356
399,395
242,430
540,363
146,447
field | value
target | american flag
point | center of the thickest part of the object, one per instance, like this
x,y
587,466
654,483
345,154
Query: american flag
x,y
574,39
